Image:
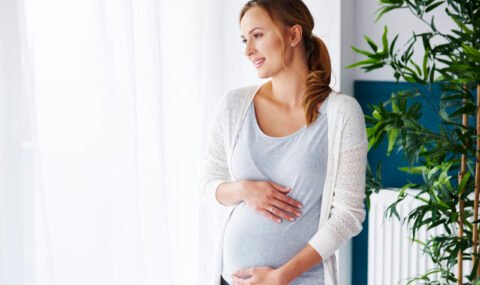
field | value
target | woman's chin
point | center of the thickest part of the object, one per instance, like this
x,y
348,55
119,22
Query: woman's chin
x,y
262,74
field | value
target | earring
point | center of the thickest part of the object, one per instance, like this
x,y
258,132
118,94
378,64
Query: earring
x,y
292,44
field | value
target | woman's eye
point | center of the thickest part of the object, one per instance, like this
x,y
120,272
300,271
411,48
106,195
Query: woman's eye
x,y
255,36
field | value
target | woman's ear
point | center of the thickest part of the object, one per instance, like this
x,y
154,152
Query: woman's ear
x,y
295,35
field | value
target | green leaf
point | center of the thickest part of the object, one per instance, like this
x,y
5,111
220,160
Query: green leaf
x,y
468,109
471,51
436,223
426,41
374,66
385,40
363,62
376,114
424,64
381,11
439,201
371,43
464,181
392,137
392,2
432,74
413,169
459,23
409,79
392,45
433,6
411,76
361,51
432,24
419,71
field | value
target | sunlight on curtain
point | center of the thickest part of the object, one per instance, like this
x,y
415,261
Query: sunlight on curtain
x,y
101,200
104,110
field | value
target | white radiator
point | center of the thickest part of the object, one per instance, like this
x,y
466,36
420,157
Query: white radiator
x,y
392,257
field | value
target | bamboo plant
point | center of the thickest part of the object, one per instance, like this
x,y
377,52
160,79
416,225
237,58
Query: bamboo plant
x,y
448,158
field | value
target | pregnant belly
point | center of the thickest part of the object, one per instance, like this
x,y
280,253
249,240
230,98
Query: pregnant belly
x,y
251,239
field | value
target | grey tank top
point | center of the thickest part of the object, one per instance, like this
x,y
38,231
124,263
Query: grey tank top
x,y
298,160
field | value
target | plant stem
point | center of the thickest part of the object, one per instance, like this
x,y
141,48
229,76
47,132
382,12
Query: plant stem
x,y
461,203
477,184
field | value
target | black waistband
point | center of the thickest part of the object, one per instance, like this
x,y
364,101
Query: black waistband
x,y
223,281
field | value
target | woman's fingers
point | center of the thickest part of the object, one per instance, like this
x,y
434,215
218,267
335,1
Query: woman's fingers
x,y
270,215
284,197
288,200
292,211
276,213
272,201
282,214
284,206
280,188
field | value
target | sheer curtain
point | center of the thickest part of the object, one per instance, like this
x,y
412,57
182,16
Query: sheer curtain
x,y
104,109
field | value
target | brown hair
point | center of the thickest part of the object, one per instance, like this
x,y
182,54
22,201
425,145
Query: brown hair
x,y
289,13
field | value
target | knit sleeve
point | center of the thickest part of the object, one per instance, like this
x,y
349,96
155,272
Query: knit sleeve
x,y
214,168
348,210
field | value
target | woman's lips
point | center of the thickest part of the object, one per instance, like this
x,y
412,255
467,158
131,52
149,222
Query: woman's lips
x,y
259,62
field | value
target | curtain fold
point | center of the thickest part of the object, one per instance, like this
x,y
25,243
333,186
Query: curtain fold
x,y
17,172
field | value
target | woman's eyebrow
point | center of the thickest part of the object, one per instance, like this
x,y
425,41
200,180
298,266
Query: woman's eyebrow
x,y
251,31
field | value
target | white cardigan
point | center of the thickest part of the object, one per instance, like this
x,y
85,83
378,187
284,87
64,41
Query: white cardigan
x,y
342,210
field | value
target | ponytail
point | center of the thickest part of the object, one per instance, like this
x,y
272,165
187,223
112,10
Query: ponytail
x,y
318,79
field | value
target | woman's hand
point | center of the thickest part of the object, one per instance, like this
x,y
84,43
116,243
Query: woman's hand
x,y
259,276
270,200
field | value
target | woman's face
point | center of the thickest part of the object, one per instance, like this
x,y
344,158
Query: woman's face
x,y
263,46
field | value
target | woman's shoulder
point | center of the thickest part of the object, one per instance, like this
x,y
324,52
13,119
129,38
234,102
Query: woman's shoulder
x,y
235,96
341,97
243,91
345,103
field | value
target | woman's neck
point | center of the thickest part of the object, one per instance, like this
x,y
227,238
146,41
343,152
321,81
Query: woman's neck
x,y
288,88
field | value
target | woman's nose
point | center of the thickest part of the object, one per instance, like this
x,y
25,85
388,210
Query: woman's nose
x,y
249,49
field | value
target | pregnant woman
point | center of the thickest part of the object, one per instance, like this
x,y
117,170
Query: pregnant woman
x,y
287,158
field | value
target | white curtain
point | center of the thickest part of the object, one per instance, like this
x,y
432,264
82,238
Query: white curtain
x,y
104,111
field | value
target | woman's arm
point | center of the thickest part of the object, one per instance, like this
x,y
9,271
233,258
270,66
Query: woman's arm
x,y
300,263
229,193
214,169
